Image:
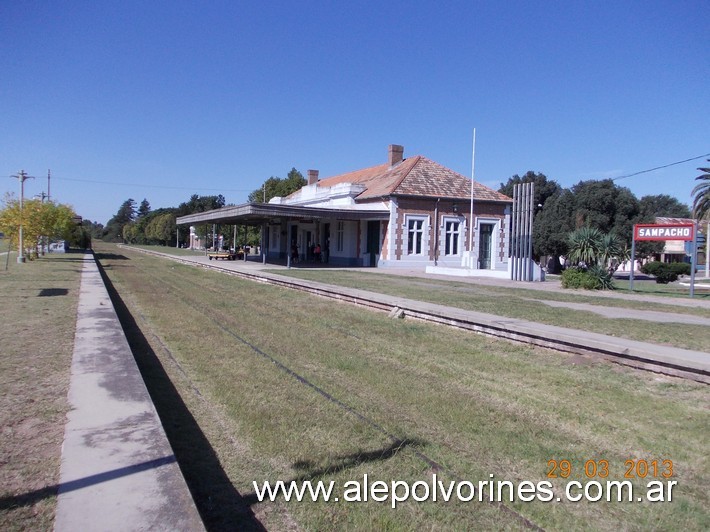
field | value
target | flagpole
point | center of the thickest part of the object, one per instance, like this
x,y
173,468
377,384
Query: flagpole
x,y
473,177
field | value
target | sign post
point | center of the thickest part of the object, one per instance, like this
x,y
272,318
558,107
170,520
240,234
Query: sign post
x,y
646,232
633,260
693,261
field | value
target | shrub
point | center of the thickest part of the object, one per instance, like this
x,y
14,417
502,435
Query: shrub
x,y
572,278
652,268
595,278
602,278
663,272
680,268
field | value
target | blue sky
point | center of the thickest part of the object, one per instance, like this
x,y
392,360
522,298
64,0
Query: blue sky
x,y
161,100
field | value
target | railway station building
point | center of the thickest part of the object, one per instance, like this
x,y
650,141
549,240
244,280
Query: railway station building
x,y
406,212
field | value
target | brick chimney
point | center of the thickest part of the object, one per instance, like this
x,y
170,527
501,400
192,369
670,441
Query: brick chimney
x,y
312,177
395,154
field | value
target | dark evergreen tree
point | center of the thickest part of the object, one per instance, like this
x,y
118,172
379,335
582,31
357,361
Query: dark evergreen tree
x,y
114,227
144,208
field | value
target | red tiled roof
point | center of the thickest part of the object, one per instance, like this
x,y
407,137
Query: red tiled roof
x,y
414,176
665,220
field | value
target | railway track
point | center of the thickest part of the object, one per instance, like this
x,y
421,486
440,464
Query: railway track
x,y
667,360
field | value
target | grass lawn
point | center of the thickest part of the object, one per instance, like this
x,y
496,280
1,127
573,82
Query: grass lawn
x,y
524,303
38,302
6,254
286,385
650,287
527,304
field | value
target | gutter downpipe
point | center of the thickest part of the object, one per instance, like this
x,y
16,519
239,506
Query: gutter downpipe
x,y
436,232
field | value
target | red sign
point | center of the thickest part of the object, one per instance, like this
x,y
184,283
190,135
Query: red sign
x,y
664,231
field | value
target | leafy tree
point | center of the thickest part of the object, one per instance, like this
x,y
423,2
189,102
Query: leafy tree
x,y
606,206
94,229
81,236
701,195
200,204
275,186
10,218
161,229
132,234
650,207
598,204
544,189
39,219
59,221
549,235
144,208
552,225
143,230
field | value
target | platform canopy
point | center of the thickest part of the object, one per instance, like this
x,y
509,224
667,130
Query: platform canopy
x,y
258,213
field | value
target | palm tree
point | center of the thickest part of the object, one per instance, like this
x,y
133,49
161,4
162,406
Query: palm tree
x,y
701,209
585,245
609,249
701,193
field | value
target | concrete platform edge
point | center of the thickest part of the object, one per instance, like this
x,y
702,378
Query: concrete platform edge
x,y
118,471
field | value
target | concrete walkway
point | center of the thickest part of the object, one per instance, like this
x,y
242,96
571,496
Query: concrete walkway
x,y
621,313
118,471
556,286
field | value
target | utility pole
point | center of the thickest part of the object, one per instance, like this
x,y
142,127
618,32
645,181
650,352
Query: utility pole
x,y
22,177
49,175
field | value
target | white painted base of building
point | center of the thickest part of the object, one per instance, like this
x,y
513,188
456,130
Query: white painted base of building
x,y
538,274
467,272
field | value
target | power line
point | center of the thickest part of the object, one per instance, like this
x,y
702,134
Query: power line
x,y
659,167
154,186
144,185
